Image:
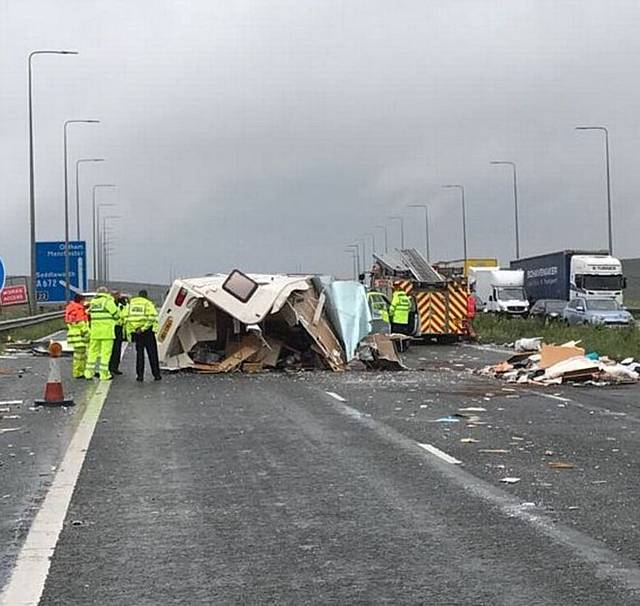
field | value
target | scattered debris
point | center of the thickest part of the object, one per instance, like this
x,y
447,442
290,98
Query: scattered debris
x,y
494,450
449,419
469,440
510,480
8,429
472,409
560,465
566,363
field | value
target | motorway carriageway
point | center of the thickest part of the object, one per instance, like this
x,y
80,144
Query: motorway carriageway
x,y
321,488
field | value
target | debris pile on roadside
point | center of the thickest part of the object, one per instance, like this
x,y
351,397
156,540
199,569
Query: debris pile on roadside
x,y
545,364
254,322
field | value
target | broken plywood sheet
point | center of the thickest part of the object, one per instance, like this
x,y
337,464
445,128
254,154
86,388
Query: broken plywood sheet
x,y
238,353
552,354
305,305
269,355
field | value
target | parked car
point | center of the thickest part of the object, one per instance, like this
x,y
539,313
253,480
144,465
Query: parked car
x,y
548,309
601,312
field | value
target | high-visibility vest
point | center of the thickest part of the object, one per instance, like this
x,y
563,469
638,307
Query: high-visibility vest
x,y
103,313
141,315
400,307
77,321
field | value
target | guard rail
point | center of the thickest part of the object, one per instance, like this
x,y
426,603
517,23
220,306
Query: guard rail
x,y
6,325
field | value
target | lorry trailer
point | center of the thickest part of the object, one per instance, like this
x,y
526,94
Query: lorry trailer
x,y
568,274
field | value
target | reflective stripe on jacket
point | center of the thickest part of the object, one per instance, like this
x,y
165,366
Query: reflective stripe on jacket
x,y
400,307
141,315
104,314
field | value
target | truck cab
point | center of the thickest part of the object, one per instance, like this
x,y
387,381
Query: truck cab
x,y
596,276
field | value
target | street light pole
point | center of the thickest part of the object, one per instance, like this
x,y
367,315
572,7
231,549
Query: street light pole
x,y
607,161
360,241
515,199
356,250
401,220
464,218
95,230
353,261
105,243
78,162
386,236
67,290
32,187
426,227
373,242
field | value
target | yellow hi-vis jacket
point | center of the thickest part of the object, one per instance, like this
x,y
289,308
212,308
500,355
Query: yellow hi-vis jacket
x,y
103,314
141,315
400,307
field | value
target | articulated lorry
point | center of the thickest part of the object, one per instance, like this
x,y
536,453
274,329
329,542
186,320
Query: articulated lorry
x,y
499,290
572,273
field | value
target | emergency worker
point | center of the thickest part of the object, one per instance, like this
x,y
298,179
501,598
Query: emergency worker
x,y
141,324
77,321
103,316
116,353
399,312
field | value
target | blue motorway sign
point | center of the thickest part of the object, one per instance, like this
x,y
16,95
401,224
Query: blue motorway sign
x,y
3,274
50,274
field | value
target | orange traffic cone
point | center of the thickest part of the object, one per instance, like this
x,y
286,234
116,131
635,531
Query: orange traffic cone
x,y
53,392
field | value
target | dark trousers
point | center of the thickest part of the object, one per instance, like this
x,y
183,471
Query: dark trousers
x,y
116,352
146,341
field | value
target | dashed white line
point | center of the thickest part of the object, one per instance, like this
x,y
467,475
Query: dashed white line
x,y
32,567
440,454
336,396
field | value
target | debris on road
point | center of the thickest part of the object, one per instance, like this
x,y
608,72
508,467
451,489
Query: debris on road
x,y
510,480
253,322
554,364
560,465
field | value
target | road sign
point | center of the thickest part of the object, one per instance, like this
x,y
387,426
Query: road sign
x,y
3,274
14,295
50,274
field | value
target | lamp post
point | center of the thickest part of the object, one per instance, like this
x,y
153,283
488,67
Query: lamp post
x,y
95,234
464,218
353,261
608,167
373,242
515,199
356,250
78,162
32,187
401,220
106,240
360,241
67,290
426,227
386,236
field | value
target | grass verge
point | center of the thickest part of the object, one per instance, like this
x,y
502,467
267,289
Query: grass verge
x,y
32,333
617,343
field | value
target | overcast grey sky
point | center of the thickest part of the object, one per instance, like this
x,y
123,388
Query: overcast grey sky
x,y
267,135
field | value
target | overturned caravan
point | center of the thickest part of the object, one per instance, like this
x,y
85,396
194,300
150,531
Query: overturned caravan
x,y
252,322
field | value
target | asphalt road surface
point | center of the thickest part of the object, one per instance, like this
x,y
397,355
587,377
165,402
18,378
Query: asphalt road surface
x,y
357,488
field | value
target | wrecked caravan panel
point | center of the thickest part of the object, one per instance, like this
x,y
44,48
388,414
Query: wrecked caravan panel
x,y
208,322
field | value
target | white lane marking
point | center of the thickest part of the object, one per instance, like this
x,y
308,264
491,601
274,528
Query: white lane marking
x,y
336,396
11,402
607,564
32,567
552,397
592,409
489,348
440,454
